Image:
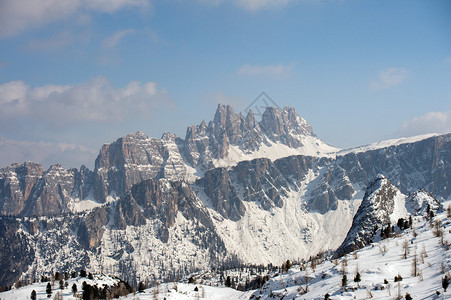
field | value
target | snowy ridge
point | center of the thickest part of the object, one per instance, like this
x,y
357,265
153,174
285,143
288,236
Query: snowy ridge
x,y
386,143
311,146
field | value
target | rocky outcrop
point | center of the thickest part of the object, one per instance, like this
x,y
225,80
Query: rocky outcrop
x,y
411,166
418,203
27,190
218,186
15,252
374,213
16,185
92,226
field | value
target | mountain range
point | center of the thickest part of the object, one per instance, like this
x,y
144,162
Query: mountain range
x,y
235,190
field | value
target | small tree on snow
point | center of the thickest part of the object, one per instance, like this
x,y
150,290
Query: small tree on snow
x,y
357,278
344,281
415,264
74,288
405,249
48,290
398,279
33,295
305,281
445,282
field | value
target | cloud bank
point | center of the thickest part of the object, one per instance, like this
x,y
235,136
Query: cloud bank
x,y
431,122
70,155
18,16
93,101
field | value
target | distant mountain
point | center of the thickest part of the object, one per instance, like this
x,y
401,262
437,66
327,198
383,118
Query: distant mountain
x,y
232,190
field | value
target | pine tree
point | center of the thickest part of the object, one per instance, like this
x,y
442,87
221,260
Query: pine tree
x,y
141,287
74,288
445,282
357,278
48,290
228,282
344,281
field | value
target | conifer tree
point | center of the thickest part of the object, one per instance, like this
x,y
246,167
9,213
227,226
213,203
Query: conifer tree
x,y
48,290
344,281
445,282
357,278
33,295
74,288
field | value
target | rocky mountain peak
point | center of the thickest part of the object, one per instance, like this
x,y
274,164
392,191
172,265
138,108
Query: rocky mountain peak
x,y
168,136
224,114
382,204
284,121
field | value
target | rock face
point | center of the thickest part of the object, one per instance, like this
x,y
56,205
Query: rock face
x,y
234,189
16,255
410,166
375,212
382,205
27,189
417,203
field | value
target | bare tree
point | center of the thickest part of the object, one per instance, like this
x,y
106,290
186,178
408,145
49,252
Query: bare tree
x,y
405,249
437,228
305,280
414,271
344,265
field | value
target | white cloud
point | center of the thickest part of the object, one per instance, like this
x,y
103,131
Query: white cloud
x,y
388,78
113,40
279,70
252,5
18,16
93,101
70,155
448,59
431,122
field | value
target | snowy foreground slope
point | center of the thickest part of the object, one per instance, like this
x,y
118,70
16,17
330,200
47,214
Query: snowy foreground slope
x,y
378,264
375,263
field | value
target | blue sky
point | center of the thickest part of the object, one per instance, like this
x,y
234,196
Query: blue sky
x,y
76,74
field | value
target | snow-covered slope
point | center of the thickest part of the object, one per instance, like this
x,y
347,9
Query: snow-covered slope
x,y
386,143
377,264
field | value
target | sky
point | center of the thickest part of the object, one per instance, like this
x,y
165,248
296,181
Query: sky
x,y
76,74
